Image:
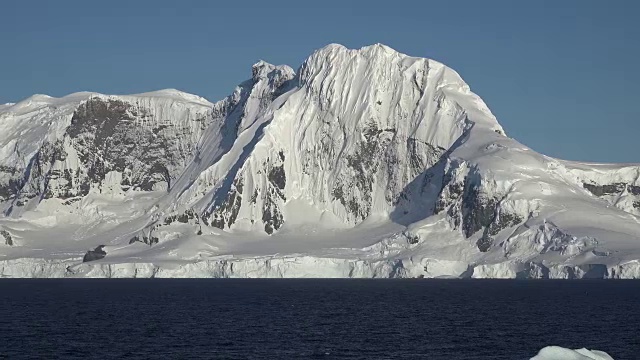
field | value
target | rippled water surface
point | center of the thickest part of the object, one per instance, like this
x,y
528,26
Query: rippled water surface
x,y
330,319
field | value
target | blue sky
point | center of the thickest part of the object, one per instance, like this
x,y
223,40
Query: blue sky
x,y
561,76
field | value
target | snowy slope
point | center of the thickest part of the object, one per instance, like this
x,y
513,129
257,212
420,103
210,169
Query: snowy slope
x,y
363,163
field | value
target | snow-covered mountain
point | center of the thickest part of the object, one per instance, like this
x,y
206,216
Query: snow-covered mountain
x,y
363,163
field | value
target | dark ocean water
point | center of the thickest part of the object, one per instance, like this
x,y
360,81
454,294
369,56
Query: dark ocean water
x,y
328,319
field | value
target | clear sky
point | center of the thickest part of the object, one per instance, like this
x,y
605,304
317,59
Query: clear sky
x,y
561,76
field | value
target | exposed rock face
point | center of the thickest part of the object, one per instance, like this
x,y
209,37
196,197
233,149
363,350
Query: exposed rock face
x,y
249,110
624,195
8,240
95,254
113,136
351,159
474,206
110,144
617,185
608,189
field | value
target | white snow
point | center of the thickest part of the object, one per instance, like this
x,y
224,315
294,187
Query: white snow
x,y
559,353
358,135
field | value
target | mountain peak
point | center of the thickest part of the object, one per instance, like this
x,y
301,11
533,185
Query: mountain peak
x,y
379,47
172,94
262,69
378,71
368,50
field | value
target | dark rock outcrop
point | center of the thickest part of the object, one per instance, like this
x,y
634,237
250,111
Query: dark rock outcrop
x,y
471,209
95,254
8,240
607,189
107,135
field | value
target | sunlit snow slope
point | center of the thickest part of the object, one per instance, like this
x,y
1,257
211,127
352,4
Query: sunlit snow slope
x,y
363,163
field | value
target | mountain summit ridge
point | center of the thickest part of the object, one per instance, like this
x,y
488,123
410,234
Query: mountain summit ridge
x,y
363,163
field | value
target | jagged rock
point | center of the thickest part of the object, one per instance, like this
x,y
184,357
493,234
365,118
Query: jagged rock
x,y
95,254
608,189
478,210
226,213
118,137
186,217
150,240
8,240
